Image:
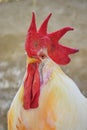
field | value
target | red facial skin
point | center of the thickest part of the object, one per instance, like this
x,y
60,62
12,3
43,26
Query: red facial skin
x,y
35,42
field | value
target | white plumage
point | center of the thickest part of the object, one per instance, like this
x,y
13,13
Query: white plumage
x,y
61,104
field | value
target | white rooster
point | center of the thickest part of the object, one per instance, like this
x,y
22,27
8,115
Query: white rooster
x,y
47,99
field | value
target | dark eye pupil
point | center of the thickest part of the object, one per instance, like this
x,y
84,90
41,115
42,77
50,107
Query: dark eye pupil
x,y
42,56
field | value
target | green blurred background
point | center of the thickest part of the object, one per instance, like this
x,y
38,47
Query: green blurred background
x,y
15,17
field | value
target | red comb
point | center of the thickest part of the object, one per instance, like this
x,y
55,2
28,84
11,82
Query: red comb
x,y
37,40
43,28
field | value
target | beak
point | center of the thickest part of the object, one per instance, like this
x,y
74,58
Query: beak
x,y
32,60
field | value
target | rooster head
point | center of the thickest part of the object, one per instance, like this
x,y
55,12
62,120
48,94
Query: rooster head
x,y
40,44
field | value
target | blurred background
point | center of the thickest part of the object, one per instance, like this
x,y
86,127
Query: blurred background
x,y
15,17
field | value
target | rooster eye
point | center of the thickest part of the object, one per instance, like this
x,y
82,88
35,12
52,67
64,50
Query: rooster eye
x,y
42,56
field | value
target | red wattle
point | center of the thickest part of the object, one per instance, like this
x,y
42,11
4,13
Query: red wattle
x,y
31,87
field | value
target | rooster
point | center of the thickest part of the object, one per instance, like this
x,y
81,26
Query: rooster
x,y
47,99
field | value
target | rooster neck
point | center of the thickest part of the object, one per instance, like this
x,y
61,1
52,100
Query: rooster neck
x,y
33,82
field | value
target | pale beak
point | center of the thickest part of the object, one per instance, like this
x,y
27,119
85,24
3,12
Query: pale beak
x,y
32,60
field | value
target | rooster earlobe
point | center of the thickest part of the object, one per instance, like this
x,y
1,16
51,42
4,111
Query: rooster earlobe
x,y
56,36
43,27
32,27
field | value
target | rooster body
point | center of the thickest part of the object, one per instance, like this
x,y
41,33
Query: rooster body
x,y
60,105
